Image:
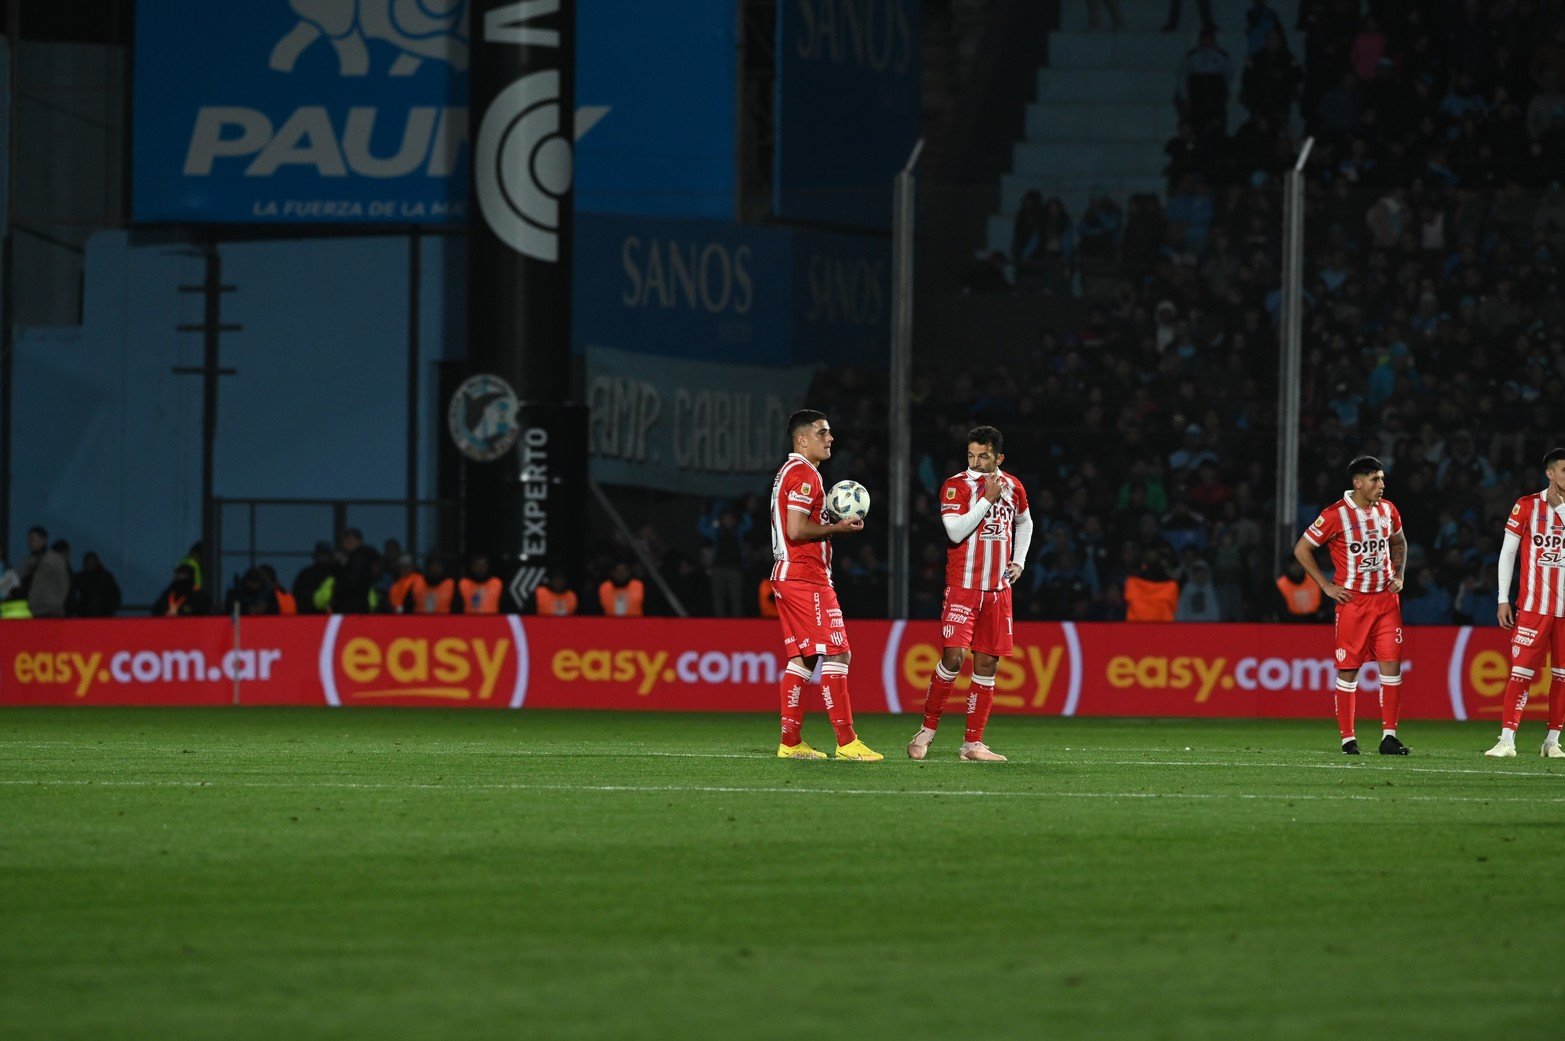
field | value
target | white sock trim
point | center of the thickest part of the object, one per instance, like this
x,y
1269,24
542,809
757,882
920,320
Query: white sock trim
x,y
834,668
1391,681
983,681
795,669
1389,733
945,677
1350,737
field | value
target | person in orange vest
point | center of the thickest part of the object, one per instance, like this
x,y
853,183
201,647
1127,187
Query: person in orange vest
x,y
768,598
1151,596
1301,598
439,590
556,597
621,595
286,602
407,592
480,590
182,596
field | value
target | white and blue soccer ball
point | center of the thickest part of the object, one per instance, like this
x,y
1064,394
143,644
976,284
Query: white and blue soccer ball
x,y
847,499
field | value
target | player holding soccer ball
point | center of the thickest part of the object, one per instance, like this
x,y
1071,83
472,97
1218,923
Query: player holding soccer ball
x,y
1536,530
806,602
1364,533
985,514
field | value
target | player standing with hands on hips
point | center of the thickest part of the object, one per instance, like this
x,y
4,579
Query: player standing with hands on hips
x,y
989,529
1535,530
1368,546
806,602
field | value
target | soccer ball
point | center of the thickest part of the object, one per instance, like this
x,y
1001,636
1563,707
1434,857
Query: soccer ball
x,y
847,499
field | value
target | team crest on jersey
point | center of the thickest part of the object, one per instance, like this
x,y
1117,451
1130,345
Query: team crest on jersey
x,y
1516,509
805,487
1341,654
948,632
950,493
1320,522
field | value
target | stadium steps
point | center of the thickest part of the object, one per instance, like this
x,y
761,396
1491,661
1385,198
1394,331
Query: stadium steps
x,y
1104,106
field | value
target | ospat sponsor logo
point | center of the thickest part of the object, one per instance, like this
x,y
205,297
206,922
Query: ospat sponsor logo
x,y
468,661
84,673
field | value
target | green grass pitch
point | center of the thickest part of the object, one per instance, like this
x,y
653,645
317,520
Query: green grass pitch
x,y
299,874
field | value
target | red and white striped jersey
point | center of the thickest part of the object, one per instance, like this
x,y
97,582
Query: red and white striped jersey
x,y
1542,556
797,487
1360,542
978,561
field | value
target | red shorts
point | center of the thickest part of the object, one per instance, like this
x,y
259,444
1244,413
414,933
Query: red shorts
x,y
1369,628
977,618
1535,638
811,619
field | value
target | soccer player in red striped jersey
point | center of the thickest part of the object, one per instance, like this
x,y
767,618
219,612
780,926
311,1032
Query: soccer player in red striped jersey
x,y
989,528
807,607
1535,531
1364,533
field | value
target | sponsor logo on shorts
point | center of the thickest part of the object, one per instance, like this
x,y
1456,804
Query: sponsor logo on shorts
x,y
1524,637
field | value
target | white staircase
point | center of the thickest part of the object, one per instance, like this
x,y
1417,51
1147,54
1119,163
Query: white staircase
x,y
1105,104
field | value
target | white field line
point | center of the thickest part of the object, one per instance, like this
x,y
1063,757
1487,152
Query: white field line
x,y
656,789
1226,762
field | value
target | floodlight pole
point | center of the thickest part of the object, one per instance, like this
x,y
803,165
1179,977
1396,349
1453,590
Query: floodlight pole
x,y
1290,357
901,439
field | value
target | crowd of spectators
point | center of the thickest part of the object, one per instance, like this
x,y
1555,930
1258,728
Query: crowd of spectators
x,y
1433,325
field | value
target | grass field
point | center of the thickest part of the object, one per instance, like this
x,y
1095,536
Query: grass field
x,y
401,874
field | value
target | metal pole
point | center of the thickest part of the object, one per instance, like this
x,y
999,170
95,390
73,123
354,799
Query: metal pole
x,y
1290,355
13,21
415,319
901,432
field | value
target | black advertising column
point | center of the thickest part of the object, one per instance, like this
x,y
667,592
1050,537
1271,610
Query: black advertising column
x,y
525,492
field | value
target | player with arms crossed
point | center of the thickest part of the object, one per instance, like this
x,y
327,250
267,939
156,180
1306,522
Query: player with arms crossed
x,y
806,602
1364,533
989,528
1536,530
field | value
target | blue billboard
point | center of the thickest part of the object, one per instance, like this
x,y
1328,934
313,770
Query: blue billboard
x,y
849,107
356,111
712,291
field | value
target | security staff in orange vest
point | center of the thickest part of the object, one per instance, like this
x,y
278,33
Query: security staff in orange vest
x,y
556,598
768,599
1301,598
286,602
1151,596
620,595
439,590
407,592
480,590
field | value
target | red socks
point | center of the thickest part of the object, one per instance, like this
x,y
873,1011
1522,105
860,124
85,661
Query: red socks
x,y
834,692
939,693
1556,699
1347,697
1390,701
980,699
1516,689
794,677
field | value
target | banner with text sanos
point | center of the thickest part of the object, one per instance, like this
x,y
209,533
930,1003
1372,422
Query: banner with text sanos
x,y
1057,668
